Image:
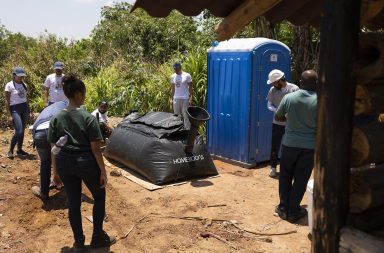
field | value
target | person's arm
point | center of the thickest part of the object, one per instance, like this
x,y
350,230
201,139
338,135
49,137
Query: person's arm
x,y
281,110
7,104
190,86
95,147
172,94
55,176
46,95
271,107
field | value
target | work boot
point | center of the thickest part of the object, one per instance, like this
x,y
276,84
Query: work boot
x,y
21,153
37,192
78,246
102,240
293,217
273,173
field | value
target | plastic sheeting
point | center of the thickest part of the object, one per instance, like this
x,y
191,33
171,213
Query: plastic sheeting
x,y
153,145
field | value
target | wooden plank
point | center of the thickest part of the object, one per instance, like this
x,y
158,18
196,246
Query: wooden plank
x,y
339,39
355,241
242,16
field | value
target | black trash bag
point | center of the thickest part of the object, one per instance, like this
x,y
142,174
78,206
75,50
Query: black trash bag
x,y
153,145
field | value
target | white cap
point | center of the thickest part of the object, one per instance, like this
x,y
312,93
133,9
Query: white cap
x,y
275,75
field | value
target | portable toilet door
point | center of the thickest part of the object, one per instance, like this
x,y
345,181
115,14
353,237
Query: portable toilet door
x,y
274,55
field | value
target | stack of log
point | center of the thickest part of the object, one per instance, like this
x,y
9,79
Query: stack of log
x,y
367,160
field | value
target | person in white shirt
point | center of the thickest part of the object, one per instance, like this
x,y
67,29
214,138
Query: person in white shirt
x,y
101,115
181,97
53,85
16,106
280,88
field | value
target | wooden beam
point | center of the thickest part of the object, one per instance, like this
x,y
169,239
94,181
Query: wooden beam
x,y
355,241
242,16
338,50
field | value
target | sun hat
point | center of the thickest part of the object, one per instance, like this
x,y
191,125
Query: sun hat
x,y
275,75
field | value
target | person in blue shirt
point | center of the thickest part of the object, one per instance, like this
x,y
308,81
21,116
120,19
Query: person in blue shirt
x,y
298,110
43,147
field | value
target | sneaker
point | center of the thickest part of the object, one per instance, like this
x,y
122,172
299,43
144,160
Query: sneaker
x,y
10,154
273,173
102,240
282,212
21,153
293,217
36,191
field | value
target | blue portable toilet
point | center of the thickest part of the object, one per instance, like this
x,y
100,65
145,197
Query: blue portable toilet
x,y
240,127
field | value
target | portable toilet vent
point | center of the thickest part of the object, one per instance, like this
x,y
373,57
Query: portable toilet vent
x,y
240,128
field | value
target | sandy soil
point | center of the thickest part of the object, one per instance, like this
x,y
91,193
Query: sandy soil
x,y
160,218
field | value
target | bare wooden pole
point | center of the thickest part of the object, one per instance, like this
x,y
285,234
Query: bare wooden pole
x,y
338,49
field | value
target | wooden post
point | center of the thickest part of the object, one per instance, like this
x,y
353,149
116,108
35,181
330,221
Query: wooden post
x,y
338,50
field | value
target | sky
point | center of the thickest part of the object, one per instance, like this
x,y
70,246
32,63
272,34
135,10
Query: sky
x,y
72,19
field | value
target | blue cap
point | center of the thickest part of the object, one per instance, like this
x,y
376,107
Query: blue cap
x,y
19,71
58,65
177,65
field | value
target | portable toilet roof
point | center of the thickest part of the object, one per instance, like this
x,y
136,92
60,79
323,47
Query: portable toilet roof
x,y
242,45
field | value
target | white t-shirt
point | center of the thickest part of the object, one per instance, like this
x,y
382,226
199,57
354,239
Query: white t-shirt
x,y
18,93
181,85
103,118
55,85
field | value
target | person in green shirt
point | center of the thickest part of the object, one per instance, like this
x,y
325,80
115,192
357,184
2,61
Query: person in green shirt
x,y
298,110
80,160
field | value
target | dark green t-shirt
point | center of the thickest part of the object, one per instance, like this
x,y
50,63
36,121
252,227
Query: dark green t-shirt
x,y
80,126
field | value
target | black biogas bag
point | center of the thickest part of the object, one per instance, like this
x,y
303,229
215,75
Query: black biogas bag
x,y
153,145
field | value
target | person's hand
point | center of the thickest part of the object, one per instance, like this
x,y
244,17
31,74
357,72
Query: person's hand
x,y
171,104
9,120
46,104
190,100
103,179
57,181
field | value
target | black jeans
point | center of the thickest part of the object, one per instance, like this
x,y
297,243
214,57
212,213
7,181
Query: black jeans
x,y
73,168
277,134
296,165
19,113
43,148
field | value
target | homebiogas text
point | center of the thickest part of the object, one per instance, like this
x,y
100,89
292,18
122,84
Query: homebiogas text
x,y
188,159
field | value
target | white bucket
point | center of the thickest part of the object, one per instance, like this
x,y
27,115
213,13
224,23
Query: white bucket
x,y
310,204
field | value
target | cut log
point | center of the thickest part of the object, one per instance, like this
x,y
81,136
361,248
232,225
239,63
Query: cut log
x,y
367,188
241,16
369,220
370,65
367,144
369,99
355,241
369,10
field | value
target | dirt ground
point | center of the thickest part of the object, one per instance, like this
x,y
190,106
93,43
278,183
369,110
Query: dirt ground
x,y
167,220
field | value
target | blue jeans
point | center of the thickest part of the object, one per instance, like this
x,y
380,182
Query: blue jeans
x,y
43,148
73,168
19,113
